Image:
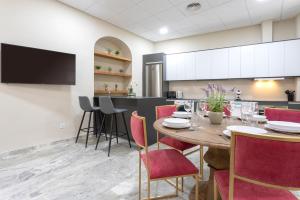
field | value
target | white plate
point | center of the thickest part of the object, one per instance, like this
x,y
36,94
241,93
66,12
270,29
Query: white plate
x,y
227,133
188,125
246,129
176,121
259,118
286,126
183,115
268,126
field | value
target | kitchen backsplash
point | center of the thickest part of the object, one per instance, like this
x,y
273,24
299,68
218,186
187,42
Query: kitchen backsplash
x,y
251,89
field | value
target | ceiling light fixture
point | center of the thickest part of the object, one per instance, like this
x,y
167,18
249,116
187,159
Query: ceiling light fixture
x,y
163,30
193,6
269,79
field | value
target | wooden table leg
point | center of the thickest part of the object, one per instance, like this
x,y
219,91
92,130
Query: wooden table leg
x,y
217,159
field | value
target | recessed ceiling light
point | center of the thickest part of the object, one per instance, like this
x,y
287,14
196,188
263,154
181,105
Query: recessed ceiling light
x,y
193,6
163,30
262,1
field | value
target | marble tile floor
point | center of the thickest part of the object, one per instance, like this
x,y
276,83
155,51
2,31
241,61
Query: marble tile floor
x,y
67,171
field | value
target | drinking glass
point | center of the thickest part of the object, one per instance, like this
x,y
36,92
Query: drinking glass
x,y
201,108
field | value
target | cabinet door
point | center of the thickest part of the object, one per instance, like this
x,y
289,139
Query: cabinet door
x,y
187,67
171,67
234,66
292,58
203,65
219,63
261,62
247,62
276,59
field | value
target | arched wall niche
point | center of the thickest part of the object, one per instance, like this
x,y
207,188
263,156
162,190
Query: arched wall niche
x,y
112,65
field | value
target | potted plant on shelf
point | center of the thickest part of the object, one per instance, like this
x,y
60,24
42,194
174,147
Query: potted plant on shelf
x,y
215,103
117,52
290,95
116,87
98,67
109,50
106,87
109,69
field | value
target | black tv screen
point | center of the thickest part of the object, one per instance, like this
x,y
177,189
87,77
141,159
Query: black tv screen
x,y
36,66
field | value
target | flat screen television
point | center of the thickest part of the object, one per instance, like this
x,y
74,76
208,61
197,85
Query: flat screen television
x,y
36,66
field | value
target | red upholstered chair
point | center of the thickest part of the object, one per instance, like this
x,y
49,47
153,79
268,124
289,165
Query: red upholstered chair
x,y
167,111
279,114
261,168
160,164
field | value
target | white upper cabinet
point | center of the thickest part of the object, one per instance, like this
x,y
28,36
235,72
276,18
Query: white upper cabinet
x,y
276,59
171,67
188,67
292,58
247,61
234,62
261,61
203,64
219,64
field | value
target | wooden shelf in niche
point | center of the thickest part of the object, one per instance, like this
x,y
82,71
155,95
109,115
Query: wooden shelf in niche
x,y
124,92
106,55
107,73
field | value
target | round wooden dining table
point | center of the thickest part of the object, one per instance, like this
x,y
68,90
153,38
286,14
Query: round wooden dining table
x,y
206,134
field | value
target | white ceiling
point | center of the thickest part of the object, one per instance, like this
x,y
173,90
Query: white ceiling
x,y
145,17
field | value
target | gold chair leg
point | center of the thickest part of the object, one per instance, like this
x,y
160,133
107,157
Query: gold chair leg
x,y
182,184
197,188
201,163
148,189
140,177
176,186
215,190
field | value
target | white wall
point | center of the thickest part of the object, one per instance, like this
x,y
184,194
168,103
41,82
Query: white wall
x,y
30,114
282,30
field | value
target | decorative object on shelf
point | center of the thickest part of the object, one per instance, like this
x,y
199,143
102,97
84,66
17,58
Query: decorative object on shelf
x,y
121,71
109,69
98,67
290,95
105,87
116,87
109,50
237,95
117,52
216,102
130,89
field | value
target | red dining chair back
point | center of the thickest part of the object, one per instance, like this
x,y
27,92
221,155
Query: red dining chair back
x,y
165,111
260,163
138,132
277,114
273,161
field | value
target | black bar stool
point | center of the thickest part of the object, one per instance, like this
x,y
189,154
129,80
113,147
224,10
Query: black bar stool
x,y
108,110
85,105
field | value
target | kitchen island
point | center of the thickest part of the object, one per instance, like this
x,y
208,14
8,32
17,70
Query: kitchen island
x,y
145,106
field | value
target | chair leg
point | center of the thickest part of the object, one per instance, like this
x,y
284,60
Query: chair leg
x,y
215,190
88,130
110,133
197,188
201,163
182,184
148,182
140,174
80,127
126,129
176,186
98,139
116,124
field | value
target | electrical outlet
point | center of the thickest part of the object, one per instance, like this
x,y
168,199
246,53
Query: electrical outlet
x,y
62,125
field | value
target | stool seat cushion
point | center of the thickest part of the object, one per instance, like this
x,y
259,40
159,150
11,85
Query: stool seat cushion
x,y
248,191
120,110
176,144
168,163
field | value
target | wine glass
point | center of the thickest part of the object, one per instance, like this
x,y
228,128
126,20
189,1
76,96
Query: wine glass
x,y
201,108
188,106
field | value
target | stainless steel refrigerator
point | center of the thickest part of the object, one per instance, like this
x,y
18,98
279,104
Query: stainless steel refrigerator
x,y
153,79
154,73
